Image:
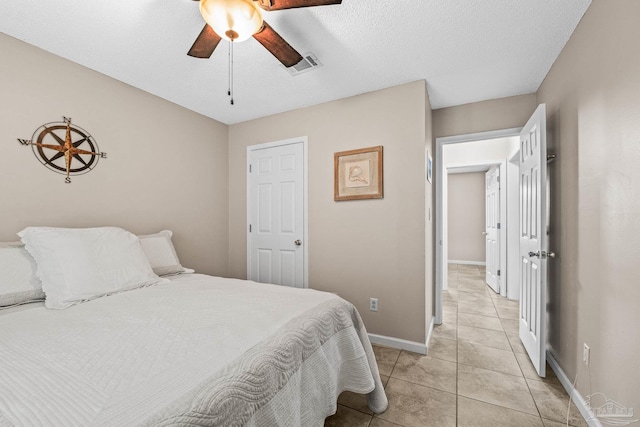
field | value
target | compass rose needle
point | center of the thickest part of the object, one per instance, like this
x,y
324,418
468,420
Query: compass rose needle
x,y
80,141
67,138
53,134
67,160
79,151
80,159
49,146
57,156
68,151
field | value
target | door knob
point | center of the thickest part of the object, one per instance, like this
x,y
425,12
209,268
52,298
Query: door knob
x,y
298,242
484,233
543,254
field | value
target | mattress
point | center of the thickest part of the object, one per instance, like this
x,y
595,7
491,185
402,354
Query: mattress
x,y
200,350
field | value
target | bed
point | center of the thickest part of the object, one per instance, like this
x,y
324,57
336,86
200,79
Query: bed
x,y
188,349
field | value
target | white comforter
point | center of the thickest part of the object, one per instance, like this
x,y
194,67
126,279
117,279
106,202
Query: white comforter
x,y
201,350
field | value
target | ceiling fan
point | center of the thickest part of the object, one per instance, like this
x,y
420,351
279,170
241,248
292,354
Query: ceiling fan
x,y
237,20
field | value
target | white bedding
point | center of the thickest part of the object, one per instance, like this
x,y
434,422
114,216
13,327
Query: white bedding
x,y
200,350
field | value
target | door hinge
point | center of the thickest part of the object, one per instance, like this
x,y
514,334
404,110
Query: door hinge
x,y
498,272
498,178
498,226
249,168
249,228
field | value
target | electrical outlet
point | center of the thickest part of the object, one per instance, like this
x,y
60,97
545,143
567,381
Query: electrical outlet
x,y
586,354
373,304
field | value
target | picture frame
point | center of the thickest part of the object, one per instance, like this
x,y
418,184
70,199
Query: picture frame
x,y
429,167
358,174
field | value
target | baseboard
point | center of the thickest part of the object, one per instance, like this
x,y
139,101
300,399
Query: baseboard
x,y
576,397
452,261
413,346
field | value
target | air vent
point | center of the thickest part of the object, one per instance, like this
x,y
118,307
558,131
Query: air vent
x,y
309,62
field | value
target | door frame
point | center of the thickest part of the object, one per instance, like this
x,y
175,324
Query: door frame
x,y
441,209
305,188
470,167
513,233
502,235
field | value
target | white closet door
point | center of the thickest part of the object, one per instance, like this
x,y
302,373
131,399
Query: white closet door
x,y
277,215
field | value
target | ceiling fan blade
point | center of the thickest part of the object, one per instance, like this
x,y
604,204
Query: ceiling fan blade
x,y
291,4
205,44
278,46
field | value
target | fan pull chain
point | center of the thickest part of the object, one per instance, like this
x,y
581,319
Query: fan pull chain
x,y
230,90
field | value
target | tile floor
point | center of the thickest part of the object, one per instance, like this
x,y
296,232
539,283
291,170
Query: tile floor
x,y
476,372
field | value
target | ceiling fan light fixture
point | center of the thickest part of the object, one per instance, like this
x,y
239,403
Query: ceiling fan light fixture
x,y
233,20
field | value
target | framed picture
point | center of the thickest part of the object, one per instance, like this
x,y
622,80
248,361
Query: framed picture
x,y
358,174
429,167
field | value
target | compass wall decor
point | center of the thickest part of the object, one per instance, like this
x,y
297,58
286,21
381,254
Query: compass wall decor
x,y
65,148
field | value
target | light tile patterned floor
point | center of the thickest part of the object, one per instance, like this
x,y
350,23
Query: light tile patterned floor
x,y
476,373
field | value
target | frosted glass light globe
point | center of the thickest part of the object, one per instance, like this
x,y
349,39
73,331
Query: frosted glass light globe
x,y
233,20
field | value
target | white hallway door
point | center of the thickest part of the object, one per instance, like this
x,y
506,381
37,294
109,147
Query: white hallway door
x,y
276,214
492,228
533,238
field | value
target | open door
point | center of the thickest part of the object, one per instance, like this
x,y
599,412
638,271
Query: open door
x,y
492,228
533,238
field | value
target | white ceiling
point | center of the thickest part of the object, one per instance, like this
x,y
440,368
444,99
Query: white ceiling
x,y
466,50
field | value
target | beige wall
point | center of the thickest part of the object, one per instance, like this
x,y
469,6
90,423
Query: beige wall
x,y
358,249
503,113
465,216
592,94
166,166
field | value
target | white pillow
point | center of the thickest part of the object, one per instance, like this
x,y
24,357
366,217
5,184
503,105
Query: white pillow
x,y
18,281
161,254
77,265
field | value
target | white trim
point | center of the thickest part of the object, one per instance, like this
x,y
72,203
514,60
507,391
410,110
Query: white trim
x,y
413,346
504,221
479,136
470,167
456,261
305,243
512,269
576,397
444,241
440,208
467,169
305,240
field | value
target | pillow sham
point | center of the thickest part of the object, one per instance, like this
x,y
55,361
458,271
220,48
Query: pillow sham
x,y
161,253
77,265
18,281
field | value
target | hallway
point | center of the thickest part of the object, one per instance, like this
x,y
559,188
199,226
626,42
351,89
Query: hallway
x,y
476,372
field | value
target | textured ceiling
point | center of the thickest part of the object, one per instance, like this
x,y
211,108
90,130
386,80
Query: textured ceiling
x,y
466,50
